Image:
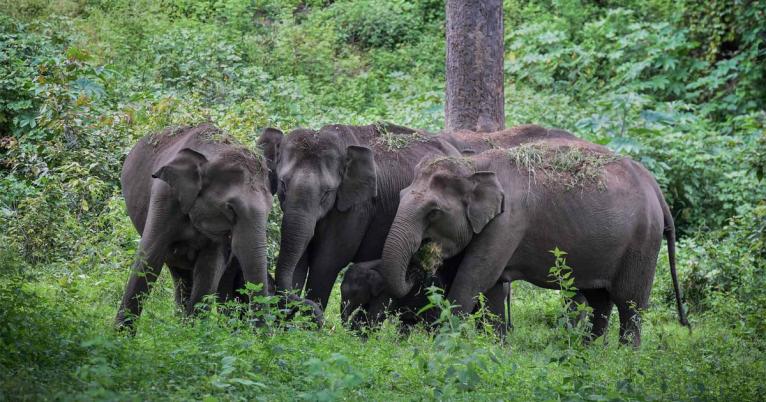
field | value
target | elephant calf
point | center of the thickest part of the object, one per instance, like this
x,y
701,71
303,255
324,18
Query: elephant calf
x,y
502,210
195,198
364,301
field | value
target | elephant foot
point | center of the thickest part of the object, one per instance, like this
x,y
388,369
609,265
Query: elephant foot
x,y
125,324
294,304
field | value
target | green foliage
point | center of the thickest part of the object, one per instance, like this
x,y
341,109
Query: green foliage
x,y
678,86
377,23
573,314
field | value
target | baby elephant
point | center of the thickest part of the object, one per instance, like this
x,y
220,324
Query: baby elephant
x,y
504,209
364,301
195,198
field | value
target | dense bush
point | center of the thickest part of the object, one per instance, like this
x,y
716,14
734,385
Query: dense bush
x,y
378,23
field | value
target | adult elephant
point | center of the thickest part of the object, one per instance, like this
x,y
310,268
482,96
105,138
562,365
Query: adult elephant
x,y
339,189
363,297
194,197
503,209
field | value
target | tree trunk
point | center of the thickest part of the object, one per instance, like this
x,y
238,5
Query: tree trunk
x,y
474,94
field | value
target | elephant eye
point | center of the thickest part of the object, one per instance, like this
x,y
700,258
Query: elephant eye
x,y
434,214
326,194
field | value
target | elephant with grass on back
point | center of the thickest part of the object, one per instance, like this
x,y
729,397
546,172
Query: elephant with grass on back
x,y
199,201
339,189
502,210
362,290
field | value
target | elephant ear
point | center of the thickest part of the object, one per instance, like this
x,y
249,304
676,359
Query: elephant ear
x,y
359,178
184,175
375,281
269,143
485,200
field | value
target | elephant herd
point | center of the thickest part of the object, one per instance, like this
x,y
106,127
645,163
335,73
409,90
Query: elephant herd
x,y
491,204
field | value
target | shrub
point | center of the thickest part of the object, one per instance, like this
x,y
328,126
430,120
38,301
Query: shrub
x,y
371,23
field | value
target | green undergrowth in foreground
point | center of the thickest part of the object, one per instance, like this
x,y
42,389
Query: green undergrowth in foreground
x,y
58,343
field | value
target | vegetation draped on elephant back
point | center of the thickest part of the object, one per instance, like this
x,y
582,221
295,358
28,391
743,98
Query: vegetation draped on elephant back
x,y
572,167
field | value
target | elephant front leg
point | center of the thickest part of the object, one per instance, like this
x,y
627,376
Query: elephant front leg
x,y
182,284
301,272
143,274
324,271
483,262
331,250
162,221
208,270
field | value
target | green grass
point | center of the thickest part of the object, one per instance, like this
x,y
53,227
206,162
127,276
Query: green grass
x,y
62,345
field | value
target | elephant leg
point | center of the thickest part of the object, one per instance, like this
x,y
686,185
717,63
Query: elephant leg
x,y
301,271
598,300
572,307
630,292
163,219
497,296
630,324
208,270
328,257
321,280
182,284
227,286
483,262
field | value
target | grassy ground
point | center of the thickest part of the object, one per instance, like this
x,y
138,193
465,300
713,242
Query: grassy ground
x,y
64,347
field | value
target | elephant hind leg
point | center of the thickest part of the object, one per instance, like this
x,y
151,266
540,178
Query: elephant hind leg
x,y
630,292
630,324
496,297
599,301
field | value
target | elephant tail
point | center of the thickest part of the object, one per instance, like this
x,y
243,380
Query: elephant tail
x,y
670,235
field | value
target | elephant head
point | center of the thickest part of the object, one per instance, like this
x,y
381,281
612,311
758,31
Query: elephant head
x,y
269,142
222,188
447,203
361,291
317,171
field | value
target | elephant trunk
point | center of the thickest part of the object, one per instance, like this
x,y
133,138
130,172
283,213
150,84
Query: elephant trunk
x,y
249,246
298,225
402,243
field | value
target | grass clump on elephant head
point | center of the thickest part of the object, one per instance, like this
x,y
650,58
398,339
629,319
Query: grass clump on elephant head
x,y
206,131
572,166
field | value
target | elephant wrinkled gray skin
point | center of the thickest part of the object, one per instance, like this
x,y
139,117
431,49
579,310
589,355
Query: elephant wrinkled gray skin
x,y
364,288
194,198
504,213
339,190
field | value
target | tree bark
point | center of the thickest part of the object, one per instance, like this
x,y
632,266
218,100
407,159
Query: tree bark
x,y
474,93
